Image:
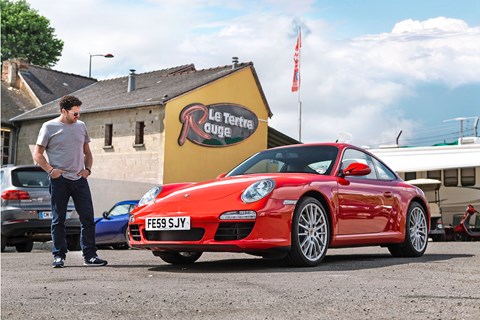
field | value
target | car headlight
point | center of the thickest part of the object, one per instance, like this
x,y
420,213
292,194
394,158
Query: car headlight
x,y
150,195
258,190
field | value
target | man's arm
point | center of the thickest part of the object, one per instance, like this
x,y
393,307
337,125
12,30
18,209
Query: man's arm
x,y
40,158
43,163
88,161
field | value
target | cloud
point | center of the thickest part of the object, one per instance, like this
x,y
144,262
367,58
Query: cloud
x,y
350,85
354,85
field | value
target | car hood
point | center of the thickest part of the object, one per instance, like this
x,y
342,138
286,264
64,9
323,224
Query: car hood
x,y
225,193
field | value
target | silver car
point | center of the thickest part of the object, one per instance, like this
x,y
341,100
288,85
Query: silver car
x,y
26,209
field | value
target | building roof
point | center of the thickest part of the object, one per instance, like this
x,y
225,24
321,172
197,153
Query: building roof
x,y
48,84
430,158
14,103
151,88
277,139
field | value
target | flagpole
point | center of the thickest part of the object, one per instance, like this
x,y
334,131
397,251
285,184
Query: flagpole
x,y
299,101
296,80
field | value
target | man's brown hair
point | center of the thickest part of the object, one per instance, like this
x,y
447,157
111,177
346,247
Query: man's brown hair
x,y
68,102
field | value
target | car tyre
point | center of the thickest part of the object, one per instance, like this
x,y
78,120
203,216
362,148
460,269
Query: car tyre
x,y
310,235
439,238
416,234
73,243
4,243
24,246
178,258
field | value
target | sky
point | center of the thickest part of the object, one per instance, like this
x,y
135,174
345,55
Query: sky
x,y
372,72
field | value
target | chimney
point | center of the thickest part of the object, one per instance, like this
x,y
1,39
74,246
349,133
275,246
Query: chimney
x,y
131,80
234,62
10,69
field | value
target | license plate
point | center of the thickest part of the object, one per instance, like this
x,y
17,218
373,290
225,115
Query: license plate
x,y
45,214
171,223
49,215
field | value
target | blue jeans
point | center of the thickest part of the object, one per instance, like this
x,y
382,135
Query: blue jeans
x,y
61,189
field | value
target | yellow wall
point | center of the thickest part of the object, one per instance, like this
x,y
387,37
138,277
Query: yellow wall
x,y
192,162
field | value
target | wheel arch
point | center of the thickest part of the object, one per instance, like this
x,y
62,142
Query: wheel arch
x,y
424,206
324,201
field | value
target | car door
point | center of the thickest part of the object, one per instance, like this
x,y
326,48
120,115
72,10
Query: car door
x,y
111,229
365,203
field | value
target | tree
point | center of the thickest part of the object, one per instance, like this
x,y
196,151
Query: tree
x,y
27,34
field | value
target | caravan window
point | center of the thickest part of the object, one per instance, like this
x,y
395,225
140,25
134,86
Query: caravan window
x,y
435,174
410,176
450,177
467,177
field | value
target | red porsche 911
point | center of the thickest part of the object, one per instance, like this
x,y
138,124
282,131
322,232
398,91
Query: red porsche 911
x,y
291,203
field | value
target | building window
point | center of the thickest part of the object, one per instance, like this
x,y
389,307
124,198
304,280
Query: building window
x,y
108,135
410,176
435,174
139,132
6,134
467,177
450,177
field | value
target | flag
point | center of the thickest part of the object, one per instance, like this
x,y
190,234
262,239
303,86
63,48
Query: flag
x,y
296,59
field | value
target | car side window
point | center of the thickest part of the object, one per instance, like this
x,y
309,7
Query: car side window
x,y
4,184
120,209
352,155
383,172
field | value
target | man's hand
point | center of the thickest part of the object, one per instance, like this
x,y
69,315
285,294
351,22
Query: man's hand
x,y
84,173
56,173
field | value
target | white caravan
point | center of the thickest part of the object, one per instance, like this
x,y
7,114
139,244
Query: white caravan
x,y
456,166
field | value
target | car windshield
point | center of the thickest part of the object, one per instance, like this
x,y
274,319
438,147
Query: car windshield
x,y
30,178
304,159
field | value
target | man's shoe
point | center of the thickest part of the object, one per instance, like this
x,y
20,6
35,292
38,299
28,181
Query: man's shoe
x,y
58,262
94,262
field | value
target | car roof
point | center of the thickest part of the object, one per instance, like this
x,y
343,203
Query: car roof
x,y
12,166
340,145
127,202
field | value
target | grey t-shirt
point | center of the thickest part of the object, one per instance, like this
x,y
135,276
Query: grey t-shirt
x,y
63,143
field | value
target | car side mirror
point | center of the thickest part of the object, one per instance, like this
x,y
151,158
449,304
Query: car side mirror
x,y
221,175
105,215
356,169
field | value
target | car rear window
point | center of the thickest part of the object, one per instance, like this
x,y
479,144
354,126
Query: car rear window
x,y
30,178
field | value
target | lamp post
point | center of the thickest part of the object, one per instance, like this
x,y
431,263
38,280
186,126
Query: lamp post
x,y
108,55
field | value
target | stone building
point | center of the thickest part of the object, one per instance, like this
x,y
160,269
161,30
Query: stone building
x,y
173,125
25,87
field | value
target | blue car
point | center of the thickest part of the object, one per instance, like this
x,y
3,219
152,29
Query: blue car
x,y
112,228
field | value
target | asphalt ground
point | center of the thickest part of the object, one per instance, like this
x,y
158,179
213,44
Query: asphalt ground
x,y
356,283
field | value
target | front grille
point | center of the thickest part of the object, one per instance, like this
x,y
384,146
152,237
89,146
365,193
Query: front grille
x,y
233,230
135,232
194,234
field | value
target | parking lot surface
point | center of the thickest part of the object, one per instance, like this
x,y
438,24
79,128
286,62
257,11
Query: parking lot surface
x,y
357,283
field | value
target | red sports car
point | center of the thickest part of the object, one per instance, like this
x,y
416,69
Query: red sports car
x,y
292,203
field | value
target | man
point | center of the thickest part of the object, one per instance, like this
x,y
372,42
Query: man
x,y
66,141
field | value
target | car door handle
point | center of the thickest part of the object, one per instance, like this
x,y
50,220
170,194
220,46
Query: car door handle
x,y
388,194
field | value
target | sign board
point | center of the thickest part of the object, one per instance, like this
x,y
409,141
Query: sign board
x,y
216,125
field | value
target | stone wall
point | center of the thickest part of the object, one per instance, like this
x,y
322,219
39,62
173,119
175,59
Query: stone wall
x,y
122,171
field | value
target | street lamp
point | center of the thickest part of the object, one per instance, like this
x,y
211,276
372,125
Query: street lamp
x,y
108,55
